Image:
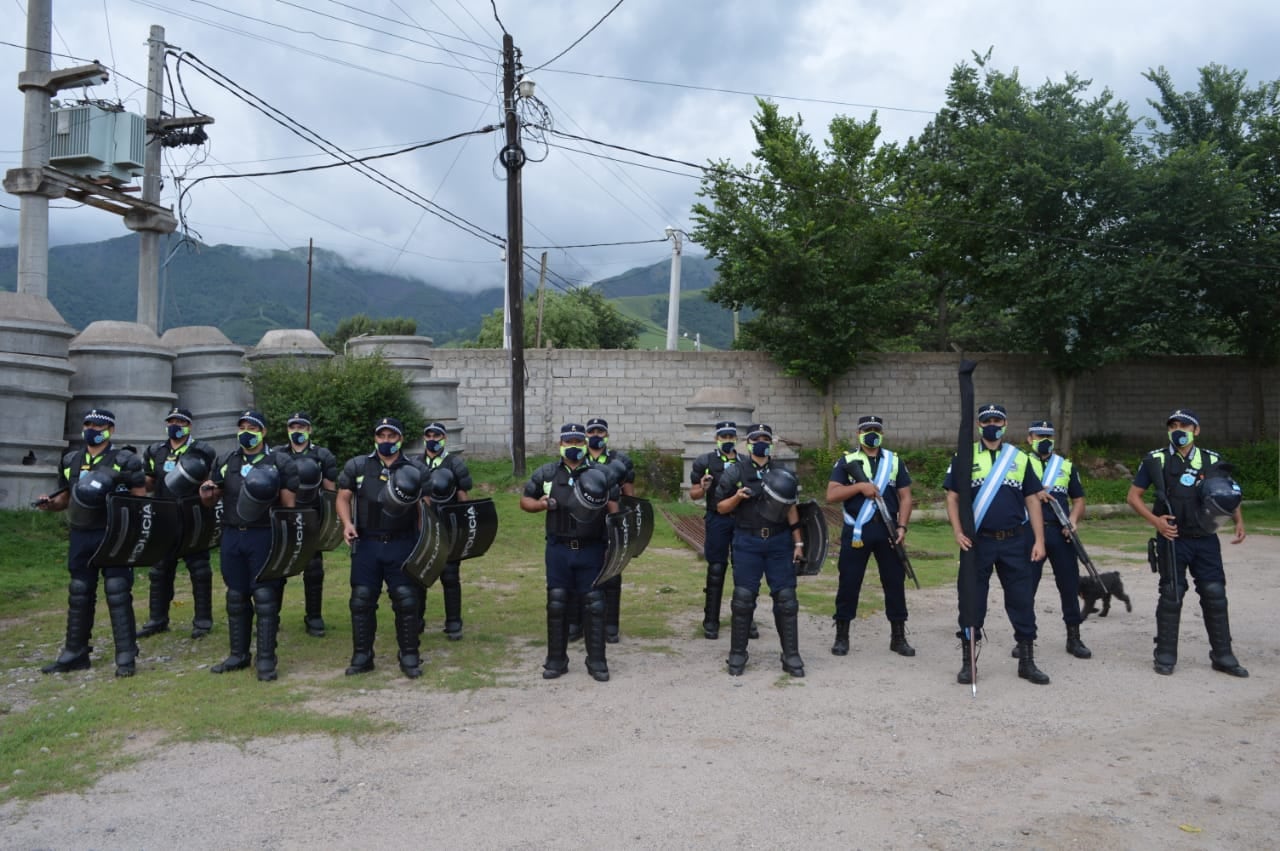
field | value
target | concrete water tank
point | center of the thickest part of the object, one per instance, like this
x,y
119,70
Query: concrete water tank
x,y
121,366
209,379
288,343
411,357
708,406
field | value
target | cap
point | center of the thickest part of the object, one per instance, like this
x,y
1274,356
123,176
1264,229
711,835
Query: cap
x,y
1185,414
869,422
391,423
179,414
1044,428
726,427
598,422
253,417
573,430
299,418
434,427
992,411
760,430
100,416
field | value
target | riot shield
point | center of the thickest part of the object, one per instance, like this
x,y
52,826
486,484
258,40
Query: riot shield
x,y
140,531
640,519
330,524
472,526
201,526
618,552
294,533
435,541
813,531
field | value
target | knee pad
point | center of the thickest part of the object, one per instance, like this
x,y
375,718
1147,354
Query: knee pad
x,y
117,589
1213,591
595,602
557,600
363,599
403,600
744,600
786,601
81,592
715,572
314,568
266,600
200,568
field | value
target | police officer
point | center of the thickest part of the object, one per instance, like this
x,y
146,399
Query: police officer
x,y
378,496
305,453
856,480
767,543
1061,482
437,457
717,528
249,480
1005,503
576,498
1182,518
599,453
160,459
88,476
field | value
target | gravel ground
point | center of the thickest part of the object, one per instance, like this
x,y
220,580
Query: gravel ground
x,y
868,751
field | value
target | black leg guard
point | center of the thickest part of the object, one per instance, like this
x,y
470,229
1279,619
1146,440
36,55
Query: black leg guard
x,y
1213,602
786,609
266,608
364,628
201,596
1074,645
573,617
404,602
159,596
898,639
557,634
612,609
75,652
239,624
123,629
1027,665
1168,615
840,647
451,583
714,592
313,595
422,607
593,625
753,631
741,607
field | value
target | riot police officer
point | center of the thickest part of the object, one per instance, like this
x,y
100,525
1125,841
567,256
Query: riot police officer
x,y
767,542
1010,535
1193,492
88,477
599,454
576,497
878,472
452,488
1062,483
313,462
378,495
249,480
192,460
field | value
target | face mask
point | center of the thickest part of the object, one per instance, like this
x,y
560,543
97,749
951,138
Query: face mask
x,y
177,432
386,450
299,438
571,453
992,432
434,446
870,439
1044,447
95,436
726,447
248,439
761,449
1179,438
597,441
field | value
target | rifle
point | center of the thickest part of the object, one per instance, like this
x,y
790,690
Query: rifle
x,y
962,473
1075,540
1161,551
861,475
36,503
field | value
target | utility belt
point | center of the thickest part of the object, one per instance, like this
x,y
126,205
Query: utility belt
x,y
762,531
1001,534
574,543
246,527
385,537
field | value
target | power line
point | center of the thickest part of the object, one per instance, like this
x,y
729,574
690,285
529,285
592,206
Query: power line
x,y
596,244
578,39
501,25
415,24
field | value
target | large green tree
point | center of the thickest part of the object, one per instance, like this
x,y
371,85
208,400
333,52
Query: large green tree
x,y
579,319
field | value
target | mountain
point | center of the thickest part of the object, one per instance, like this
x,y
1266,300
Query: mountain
x,y
696,273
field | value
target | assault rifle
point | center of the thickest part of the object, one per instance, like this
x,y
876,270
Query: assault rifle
x,y
1075,540
890,524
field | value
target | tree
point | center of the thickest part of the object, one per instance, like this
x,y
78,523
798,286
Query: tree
x,y
361,325
801,241
579,319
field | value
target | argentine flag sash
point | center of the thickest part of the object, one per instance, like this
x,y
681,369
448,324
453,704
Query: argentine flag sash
x,y
991,486
1052,468
869,505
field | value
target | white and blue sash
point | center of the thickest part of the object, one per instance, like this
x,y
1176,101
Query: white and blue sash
x,y
990,487
869,505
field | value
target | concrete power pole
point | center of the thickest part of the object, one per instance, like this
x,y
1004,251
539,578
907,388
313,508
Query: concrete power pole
x,y
513,158
149,239
673,306
33,215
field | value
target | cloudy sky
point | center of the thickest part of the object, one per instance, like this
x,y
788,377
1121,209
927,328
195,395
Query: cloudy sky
x,y
673,79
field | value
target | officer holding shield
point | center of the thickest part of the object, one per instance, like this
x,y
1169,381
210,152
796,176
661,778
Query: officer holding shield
x,y
250,480
315,464
378,497
599,454
450,488
88,476
175,468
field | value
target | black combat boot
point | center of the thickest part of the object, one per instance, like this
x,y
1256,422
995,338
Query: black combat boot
x,y
1213,602
76,650
313,597
266,608
786,611
1027,664
714,592
594,614
239,625
201,596
123,627
898,639
1074,645
451,583
159,596
967,652
557,663
840,647
741,607
1168,616
404,602
364,629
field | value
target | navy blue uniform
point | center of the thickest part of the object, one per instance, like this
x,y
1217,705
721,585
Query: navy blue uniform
x,y
246,544
384,541
1059,551
451,576
877,539
574,551
762,549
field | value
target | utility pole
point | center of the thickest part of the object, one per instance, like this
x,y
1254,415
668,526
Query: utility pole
x,y
311,247
513,159
542,283
673,305
33,216
149,238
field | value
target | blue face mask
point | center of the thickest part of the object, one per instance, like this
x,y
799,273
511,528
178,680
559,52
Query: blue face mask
x,y
299,438
761,449
992,432
1044,447
249,439
597,441
434,446
571,453
386,450
177,432
95,436
870,439
1179,438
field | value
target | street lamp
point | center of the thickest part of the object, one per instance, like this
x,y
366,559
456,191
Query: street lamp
x,y
673,307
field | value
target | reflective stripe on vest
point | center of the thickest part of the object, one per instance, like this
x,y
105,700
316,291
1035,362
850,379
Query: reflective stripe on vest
x,y
991,485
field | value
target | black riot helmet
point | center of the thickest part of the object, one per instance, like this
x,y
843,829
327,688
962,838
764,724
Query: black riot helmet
x,y
88,505
590,495
258,492
310,476
187,475
781,491
615,470
443,486
1220,496
403,489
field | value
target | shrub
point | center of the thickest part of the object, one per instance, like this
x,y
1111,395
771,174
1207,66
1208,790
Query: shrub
x,y
658,473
